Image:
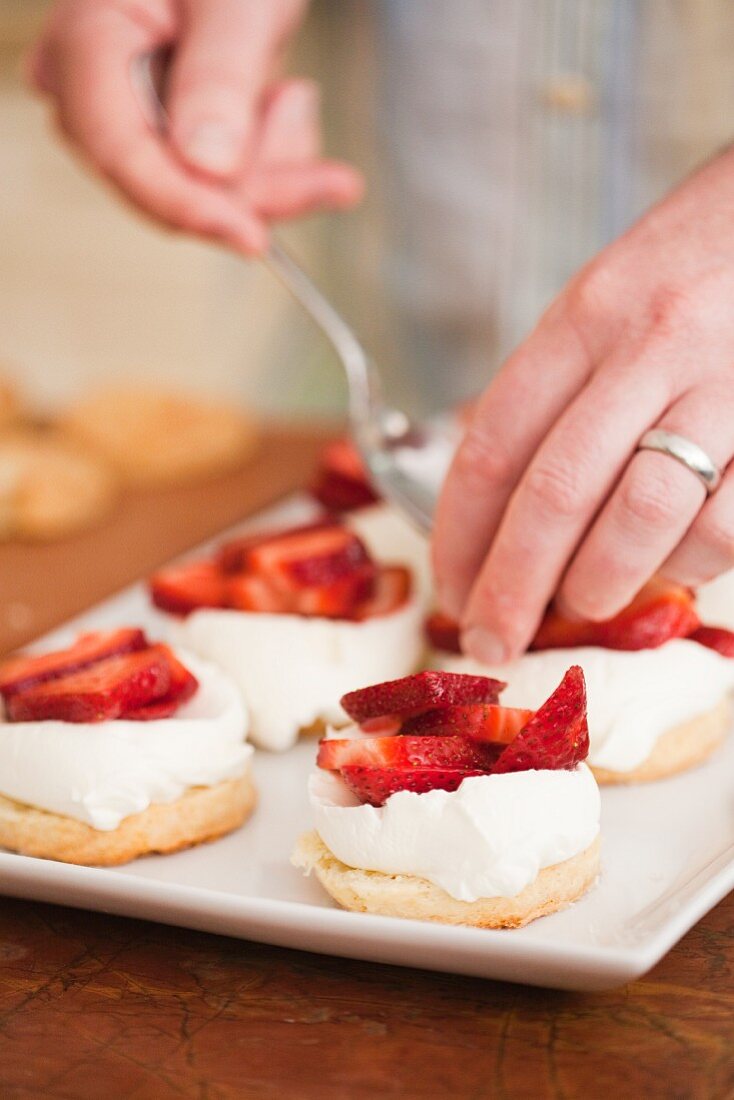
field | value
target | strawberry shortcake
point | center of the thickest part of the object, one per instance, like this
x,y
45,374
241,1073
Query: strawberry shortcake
x,y
659,681
295,617
114,748
440,804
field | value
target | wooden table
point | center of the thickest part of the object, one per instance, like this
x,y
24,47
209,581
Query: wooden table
x,y
95,1006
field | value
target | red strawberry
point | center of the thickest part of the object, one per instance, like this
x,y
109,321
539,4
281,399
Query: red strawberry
x,y
184,588
248,592
659,612
443,632
303,558
392,588
234,556
715,637
102,691
557,736
342,483
341,599
375,785
21,673
415,694
488,722
404,752
183,685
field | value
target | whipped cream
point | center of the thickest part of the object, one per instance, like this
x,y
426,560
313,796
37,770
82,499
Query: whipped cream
x,y
293,670
392,538
489,838
102,772
633,697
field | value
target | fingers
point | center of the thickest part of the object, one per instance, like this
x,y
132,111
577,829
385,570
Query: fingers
x,y
222,65
556,500
505,429
651,510
707,550
99,111
287,180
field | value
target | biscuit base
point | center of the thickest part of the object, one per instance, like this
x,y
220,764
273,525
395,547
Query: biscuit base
x,y
680,748
409,896
201,814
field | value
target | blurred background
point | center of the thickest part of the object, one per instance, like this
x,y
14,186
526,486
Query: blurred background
x,y
90,292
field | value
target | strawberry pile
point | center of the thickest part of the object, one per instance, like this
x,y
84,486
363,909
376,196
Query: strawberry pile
x,y
660,611
103,676
321,569
435,729
341,483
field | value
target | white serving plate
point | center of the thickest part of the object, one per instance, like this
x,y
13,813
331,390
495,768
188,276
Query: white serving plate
x,y
668,857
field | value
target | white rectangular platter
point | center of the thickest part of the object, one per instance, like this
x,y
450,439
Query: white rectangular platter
x,y
668,857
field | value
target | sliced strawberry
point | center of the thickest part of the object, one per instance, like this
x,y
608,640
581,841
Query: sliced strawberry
x,y
489,723
715,637
415,694
183,685
557,736
248,592
341,599
403,752
375,785
184,588
20,673
152,712
304,558
659,612
101,692
392,590
342,483
233,556
443,632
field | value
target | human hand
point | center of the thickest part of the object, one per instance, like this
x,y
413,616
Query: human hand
x,y
242,147
547,495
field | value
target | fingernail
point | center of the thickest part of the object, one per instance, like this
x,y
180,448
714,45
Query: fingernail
x,y
214,147
483,646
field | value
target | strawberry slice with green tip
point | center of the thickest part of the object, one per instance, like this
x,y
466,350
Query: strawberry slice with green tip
x,y
184,588
407,752
101,692
557,736
375,785
485,723
443,632
715,637
412,695
20,673
659,612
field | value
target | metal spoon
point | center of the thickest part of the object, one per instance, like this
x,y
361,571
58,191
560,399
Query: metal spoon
x,y
406,460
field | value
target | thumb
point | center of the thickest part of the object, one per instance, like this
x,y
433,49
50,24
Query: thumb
x,y
222,63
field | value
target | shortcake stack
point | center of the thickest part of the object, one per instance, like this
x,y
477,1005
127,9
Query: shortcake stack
x,y
114,748
658,680
295,617
442,805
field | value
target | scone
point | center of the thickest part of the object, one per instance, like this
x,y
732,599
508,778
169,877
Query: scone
x,y
154,437
295,617
659,681
115,748
49,486
439,804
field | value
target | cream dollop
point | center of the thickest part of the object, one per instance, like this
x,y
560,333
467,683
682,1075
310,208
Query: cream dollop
x,y
633,697
292,671
489,838
101,773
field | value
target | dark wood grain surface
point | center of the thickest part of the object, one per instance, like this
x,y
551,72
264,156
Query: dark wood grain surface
x,y
93,1006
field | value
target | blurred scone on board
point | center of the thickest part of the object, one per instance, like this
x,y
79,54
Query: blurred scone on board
x,y
154,437
50,487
